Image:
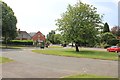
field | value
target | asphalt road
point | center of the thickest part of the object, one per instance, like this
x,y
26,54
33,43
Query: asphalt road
x,y
32,65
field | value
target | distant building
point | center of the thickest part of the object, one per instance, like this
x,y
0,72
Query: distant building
x,y
23,35
38,37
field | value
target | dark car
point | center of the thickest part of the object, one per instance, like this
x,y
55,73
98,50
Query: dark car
x,y
113,49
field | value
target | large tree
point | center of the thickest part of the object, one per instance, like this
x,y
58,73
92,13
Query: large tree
x,y
80,23
106,28
8,23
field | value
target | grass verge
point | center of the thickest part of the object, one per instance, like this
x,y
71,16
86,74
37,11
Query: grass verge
x,y
4,60
88,77
82,54
12,47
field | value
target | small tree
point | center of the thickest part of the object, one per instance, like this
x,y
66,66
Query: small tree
x,y
106,28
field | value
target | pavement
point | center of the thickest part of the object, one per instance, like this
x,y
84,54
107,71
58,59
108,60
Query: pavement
x,y
28,64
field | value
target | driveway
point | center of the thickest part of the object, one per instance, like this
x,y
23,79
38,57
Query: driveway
x,y
28,64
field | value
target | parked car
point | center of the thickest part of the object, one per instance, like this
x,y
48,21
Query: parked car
x,y
113,49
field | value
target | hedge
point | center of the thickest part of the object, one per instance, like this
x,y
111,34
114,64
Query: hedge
x,y
20,42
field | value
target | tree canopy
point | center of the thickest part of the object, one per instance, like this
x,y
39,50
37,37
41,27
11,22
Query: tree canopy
x,y
80,23
50,36
8,23
54,38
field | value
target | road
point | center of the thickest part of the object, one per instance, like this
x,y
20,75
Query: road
x,y
28,64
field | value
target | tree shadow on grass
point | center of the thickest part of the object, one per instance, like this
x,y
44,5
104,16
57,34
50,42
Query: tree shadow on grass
x,y
83,52
1,47
9,48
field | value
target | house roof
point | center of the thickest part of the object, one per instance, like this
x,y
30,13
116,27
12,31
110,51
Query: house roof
x,y
42,37
32,34
20,32
37,33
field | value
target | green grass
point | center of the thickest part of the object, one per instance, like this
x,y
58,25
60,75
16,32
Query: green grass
x,y
12,47
4,60
82,54
87,77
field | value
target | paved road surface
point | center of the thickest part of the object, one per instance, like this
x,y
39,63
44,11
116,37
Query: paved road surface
x,y
32,65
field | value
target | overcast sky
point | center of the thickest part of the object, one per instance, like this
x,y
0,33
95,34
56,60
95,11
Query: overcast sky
x,y
40,15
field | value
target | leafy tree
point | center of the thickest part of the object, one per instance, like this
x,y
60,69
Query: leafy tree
x,y
54,38
57,38
80,23
8,23
106,28
50,36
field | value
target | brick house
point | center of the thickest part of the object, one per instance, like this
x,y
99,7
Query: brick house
x,y
39,37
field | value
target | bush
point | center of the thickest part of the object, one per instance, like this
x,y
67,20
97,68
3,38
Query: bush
x,y
104,45
113,42
20,42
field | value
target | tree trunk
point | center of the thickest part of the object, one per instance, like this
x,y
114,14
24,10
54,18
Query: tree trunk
x,y
6,40
72,44
6,43
76,46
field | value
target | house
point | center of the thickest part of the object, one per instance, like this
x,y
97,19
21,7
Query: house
x,y
23,35
39,37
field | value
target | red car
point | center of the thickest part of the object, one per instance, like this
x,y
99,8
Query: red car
x,y
113,49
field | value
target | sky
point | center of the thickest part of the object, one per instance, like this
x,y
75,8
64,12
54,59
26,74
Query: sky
x,y
40,15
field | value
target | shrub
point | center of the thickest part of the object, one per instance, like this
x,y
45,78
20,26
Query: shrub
x,y
104,45
113,42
